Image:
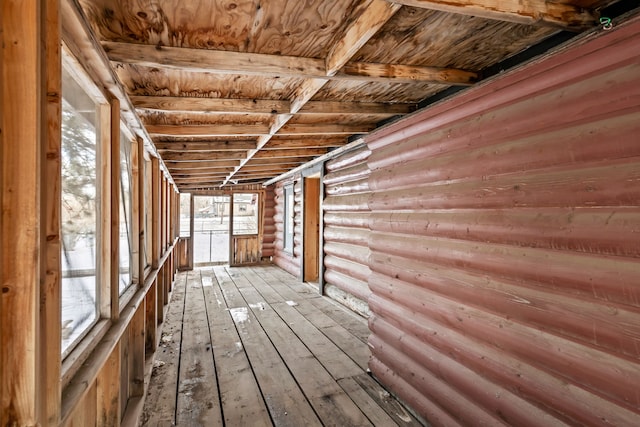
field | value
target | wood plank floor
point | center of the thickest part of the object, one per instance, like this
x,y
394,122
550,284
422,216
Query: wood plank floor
x,y
252,346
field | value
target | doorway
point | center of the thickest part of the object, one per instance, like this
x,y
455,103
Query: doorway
x,y
311,229
211,230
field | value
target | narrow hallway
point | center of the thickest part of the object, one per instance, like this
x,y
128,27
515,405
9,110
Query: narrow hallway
x,y
253,346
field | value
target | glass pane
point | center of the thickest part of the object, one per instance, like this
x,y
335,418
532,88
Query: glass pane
x,y
211,229
79,217
126,242
185,214
245,213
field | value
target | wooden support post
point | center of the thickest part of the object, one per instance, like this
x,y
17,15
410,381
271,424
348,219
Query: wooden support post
x,y
104,212
114,229
50,243
140,218
136,190
156,181
29,271
150,319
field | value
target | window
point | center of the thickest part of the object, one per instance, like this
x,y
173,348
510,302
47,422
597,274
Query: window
x,y
126,223
185,215
288,218
245,213
79,212
148,214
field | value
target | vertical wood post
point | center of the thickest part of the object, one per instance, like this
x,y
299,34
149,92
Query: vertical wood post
x,y
136,249
50,279
115,209
156,181
140,219
104,209
29,264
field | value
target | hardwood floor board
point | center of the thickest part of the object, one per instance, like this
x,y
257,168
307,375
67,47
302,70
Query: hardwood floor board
x,y
160,402
331,403
386,401
332,357
287,403
198,398
242,401
254,346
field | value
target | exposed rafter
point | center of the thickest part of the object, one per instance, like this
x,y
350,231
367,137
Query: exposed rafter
x,y
263,106
365,23
225,62
521,11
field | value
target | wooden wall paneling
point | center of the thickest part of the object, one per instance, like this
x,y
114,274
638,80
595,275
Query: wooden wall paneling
x,y
114,229
104,209
472,197
108,391
311,228
136,333
85,413
124,371
50,243
22,96
150,304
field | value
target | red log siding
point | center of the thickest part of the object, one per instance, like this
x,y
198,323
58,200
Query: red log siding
x,y
269,230
346,230
288,262
505,254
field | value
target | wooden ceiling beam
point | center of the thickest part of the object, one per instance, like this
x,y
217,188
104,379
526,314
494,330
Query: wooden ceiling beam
x,y
171,156
365,22
260,106
398,73
208,60
541,12
304,143
205,146
329,107
214,105
278,161
208,130
270,154
213,164
323,129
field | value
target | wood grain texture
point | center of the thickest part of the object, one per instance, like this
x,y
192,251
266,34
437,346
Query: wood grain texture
x,y
536,285
22,97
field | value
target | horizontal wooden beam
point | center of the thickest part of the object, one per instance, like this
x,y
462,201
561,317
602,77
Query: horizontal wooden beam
x,y
214,164
324,129
169,156
398,73
214,105
521,11
275,161
209,130
373,108
228,62
262,106
304,143
283,153
205,146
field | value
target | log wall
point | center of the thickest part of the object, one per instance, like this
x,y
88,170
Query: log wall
x,y
504,245
290,262
269,227
346,229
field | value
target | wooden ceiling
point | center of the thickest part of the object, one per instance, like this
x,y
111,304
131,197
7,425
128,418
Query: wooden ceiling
x,y
241,91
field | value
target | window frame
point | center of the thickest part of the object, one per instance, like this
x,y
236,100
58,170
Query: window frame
x,y
288,219
77,352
